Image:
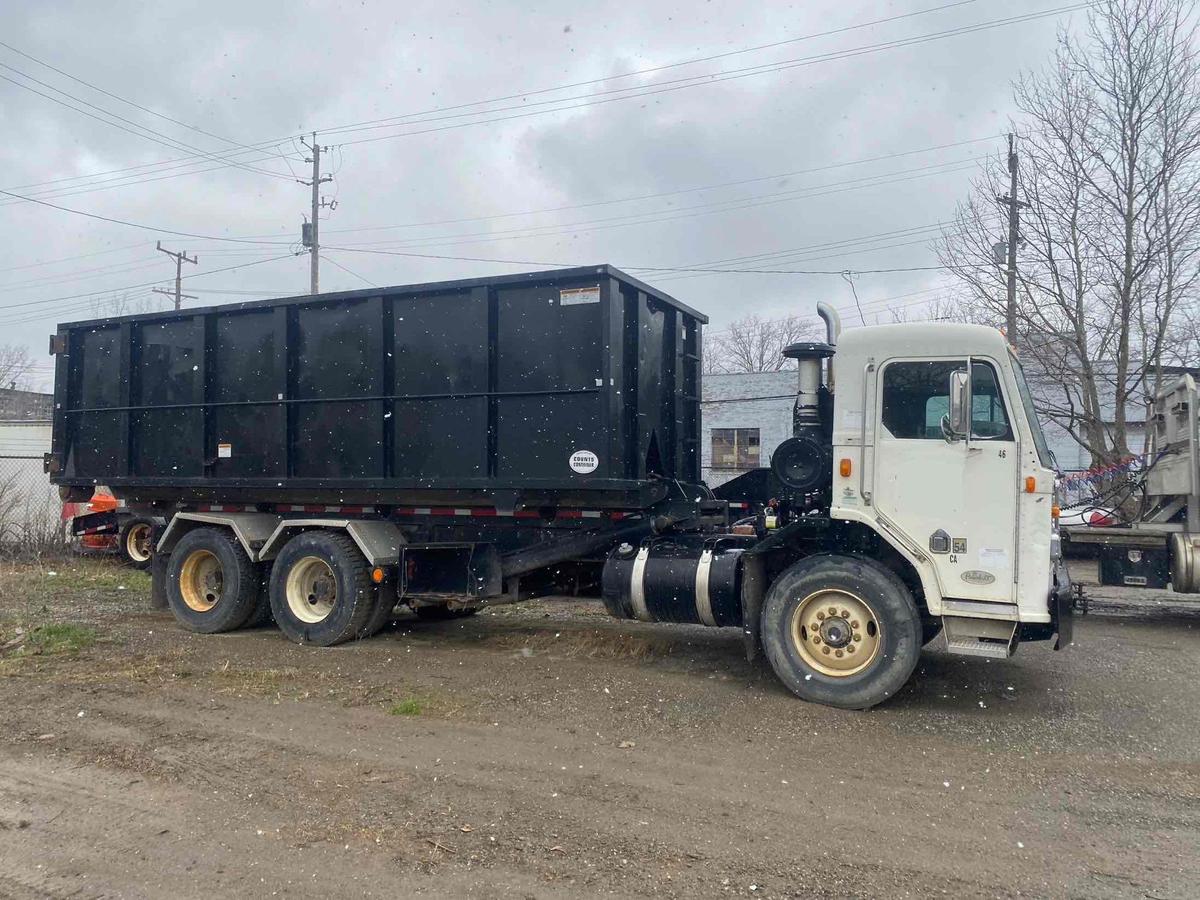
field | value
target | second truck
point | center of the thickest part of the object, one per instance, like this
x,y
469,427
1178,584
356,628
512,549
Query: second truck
x,y
320,460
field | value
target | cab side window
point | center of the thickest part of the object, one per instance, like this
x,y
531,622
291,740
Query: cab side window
x,y
917,394
915,397
989,421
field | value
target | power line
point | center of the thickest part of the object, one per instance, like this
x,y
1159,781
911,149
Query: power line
x,y
332,261
150,134
648,71
124,100
698,80
148,284
670,193
682,212
529,262
51,262
150,228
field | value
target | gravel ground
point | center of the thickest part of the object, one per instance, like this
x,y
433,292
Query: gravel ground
x,y
546,750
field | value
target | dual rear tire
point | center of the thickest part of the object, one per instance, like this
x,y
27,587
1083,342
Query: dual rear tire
x,y
318,590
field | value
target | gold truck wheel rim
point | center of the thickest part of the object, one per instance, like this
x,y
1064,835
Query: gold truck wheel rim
x,y
311,590
137,542
836,633
201,581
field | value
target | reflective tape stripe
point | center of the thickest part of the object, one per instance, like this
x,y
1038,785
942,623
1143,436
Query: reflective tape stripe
x,y
637,586
703,602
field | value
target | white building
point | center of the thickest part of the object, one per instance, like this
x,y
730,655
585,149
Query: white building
x,y
745,417
30,509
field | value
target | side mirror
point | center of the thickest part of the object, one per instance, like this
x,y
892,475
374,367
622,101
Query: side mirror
x,y
956,425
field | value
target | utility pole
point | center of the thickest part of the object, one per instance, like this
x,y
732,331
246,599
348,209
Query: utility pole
x,y
1014,237
311,237
180,258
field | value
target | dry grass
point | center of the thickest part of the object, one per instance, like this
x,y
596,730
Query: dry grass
x,y
277,682
590,644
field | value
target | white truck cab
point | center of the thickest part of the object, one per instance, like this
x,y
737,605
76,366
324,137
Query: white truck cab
x,y
969,502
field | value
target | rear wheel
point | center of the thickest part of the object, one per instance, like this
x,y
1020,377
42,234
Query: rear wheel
x,y
321,590
135,542
840,630
211,584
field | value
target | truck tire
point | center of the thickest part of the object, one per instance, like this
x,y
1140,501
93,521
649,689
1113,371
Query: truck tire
x,y
261,616
443,613
321,590
385,607
841,630
211,584
135,543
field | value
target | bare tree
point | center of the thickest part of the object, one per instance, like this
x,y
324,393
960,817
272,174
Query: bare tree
x,y
122,305
1110,250
754,344
15,366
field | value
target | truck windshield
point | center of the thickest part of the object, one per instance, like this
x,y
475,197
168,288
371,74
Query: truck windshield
x,y
1039,439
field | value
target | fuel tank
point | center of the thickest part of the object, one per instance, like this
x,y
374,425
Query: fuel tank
x,y
692,579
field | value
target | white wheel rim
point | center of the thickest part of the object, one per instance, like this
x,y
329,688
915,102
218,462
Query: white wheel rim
x,y
311,590
137,543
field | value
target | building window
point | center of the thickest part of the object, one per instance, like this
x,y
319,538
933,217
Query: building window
x,y
735,448
916,396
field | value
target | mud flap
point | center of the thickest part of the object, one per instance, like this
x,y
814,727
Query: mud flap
x,y
158,580
754,588
1062,607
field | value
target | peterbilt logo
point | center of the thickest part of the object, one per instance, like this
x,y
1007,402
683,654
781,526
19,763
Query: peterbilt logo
x,y
977,576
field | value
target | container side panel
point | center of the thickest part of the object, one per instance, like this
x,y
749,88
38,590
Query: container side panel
x,y
95,439
166,363
166,373
96,444
245,358
539,436
338,354
338,349
97,368
168,442
441,439
338,440
440,345
247,420
689,401
549,338
251,436
652,451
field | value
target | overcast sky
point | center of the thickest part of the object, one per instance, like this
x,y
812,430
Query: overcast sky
x,y
791,122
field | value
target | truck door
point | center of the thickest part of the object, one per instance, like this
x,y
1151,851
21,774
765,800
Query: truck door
x,y
957,499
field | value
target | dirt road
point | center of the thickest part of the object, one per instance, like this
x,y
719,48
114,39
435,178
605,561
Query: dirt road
x,y
545,750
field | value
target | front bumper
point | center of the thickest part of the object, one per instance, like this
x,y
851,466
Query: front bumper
x,y
1060,628
1062,607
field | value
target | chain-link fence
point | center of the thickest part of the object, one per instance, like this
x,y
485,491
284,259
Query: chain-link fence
x,y
30,509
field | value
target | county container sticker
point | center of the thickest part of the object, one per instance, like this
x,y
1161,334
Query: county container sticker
x,y
584,461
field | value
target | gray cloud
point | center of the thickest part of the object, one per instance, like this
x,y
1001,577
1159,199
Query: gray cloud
x,y
257,72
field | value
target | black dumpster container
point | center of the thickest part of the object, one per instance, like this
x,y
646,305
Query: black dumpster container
x,y
574,386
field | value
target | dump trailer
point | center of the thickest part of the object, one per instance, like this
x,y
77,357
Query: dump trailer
x,y
321,460
1159,547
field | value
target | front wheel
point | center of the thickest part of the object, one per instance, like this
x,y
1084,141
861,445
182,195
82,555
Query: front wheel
x,y
840,630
